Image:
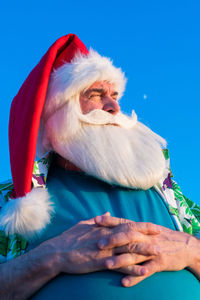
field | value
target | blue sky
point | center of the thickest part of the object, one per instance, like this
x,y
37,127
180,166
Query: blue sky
x,y
157,45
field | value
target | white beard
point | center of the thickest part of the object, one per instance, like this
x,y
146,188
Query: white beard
x,y
129,154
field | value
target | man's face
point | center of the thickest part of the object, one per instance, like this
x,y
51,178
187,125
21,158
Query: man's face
x,y
83,132
100,95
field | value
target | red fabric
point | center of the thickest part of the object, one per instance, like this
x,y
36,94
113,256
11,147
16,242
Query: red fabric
x,y
27,107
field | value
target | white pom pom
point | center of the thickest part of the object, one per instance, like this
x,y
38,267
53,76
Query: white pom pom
x,y
27,216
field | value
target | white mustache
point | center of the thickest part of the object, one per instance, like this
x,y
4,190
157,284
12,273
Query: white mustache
x,y
101,117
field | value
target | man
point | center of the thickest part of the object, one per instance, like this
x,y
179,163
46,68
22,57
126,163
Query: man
x,y
102,161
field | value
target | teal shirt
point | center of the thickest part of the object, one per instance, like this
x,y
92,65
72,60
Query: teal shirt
x,y
77,196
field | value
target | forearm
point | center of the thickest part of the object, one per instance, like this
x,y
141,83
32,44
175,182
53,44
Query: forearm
x,y
22,277
195,254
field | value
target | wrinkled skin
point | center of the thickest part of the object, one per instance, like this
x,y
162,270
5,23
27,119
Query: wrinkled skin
x,y
104,242
137,249
173,250
78,251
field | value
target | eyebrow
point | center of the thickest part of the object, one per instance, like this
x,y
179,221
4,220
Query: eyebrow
x,y
101,91
115,93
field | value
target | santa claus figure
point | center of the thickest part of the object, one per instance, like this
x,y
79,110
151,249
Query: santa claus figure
x,y
92,207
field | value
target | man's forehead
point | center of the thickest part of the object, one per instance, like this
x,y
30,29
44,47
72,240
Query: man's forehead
x,y
102,85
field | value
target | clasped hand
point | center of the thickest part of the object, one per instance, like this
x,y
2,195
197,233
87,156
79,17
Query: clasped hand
x,y
137,249
162,248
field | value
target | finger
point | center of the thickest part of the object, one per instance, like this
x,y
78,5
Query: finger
x,y
143,227
109,221
121,239
98,265
135,270
139,248
89,222
150,268
129,281
125,260
92,220
153,266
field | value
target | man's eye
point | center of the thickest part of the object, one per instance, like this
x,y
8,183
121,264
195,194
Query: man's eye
x,y
94,95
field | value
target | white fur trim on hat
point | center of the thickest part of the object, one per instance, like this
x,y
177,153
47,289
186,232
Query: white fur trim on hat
x,y
75,77
28,215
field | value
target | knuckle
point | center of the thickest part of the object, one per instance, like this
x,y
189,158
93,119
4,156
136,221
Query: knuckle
x,y
136,270
122,221
132,247
130,269
130,226
150,226
113,239
150,248
117,239
105,219
153,226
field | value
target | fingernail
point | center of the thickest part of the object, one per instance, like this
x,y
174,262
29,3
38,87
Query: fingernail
x,y
102,243
109,263
98,219
126,282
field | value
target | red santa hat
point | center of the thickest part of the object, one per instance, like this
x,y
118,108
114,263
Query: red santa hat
x,y
66,69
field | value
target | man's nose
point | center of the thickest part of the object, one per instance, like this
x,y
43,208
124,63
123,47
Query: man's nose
x,y
111,105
